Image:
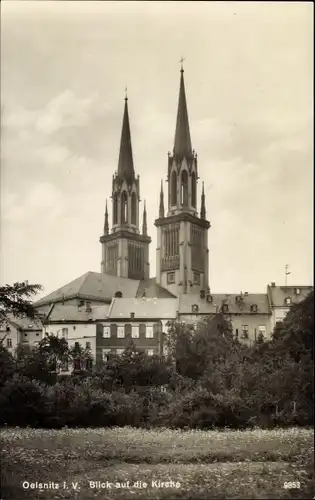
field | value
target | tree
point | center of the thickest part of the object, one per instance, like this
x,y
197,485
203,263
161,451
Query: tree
x,y
16,299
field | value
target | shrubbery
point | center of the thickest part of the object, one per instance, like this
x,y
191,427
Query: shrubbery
x,y
208,380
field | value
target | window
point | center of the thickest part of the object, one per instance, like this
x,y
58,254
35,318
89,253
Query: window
x,y
209,298
88,364
170,278
173,189
149,332
9,342
297,291
134,208
253,308
119,351
135,332
193,189
115,209
25,334
106,332
8,329
142,329
150,352
244,329
184,188
76,345
236,333
128,330
77,364
194,308
74,327
64,333
225,307
196,279
105,354
262,330
132,315
121,332
287,301
118,294
37,334
88,345
124,208
81,303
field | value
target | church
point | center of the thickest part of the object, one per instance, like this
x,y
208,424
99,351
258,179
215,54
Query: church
x,y
103,311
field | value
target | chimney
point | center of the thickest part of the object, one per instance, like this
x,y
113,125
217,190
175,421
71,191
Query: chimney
x,y
273,284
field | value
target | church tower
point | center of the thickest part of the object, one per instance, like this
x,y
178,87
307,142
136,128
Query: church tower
x,y
125,250
182,235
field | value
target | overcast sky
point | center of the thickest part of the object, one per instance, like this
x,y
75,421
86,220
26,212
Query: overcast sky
x,y
249,88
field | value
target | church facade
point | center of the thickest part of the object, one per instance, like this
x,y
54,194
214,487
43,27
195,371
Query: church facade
x,y
122,302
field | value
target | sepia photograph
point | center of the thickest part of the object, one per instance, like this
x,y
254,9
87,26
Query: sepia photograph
x,y
156,252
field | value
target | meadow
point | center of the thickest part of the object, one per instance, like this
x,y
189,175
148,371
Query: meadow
x,y
124,463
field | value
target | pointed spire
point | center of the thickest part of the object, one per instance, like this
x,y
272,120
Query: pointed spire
x,y
125,162
106,227
203,203
182,143
144,223
161,208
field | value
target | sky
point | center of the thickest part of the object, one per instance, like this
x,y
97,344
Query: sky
x,y
249,88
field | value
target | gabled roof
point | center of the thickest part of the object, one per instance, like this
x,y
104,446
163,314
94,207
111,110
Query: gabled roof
x,y
91,286
234,307
278,294
153,290
73,313
24,323
143,308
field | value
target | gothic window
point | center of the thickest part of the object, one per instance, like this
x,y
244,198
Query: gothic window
x,y
173,189
124,208
193,189
134,209
115,209
184,188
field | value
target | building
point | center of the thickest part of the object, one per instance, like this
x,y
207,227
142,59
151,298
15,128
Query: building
x,y
106,310
282,297
20,331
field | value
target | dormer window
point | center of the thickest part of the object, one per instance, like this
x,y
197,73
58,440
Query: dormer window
x,y
297,291
132,315
195,308
253,308
209,298
288,301
225,307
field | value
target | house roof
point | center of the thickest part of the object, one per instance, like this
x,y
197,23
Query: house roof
x,y
73,313
144,308
24,323
278,294
102,287
259,299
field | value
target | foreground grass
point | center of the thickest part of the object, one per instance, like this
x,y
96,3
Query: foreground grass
x,y
214,464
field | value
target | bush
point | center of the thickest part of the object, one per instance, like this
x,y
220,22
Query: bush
x,y
22,402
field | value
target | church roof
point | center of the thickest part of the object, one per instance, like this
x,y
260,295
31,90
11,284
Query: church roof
x,y
102,287
152,289
125,162
91,286
182,143
186,303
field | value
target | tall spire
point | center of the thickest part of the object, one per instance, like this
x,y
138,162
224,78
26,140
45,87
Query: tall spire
x,y
182,143
125,162
161,208
106,227
144,223
203,203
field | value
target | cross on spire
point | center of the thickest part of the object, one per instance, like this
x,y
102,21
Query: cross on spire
x,y
126,96
182,59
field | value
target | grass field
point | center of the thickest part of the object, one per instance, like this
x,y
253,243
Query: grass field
x,y
229,464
